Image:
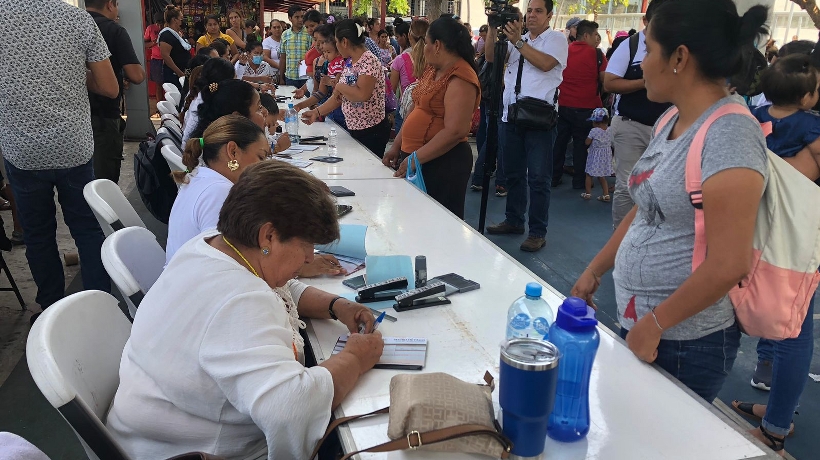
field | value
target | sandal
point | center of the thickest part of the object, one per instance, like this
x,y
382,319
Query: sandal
x,y
776,444
747,409
586,196
605,198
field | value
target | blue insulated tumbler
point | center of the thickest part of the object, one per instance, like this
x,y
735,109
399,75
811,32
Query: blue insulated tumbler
x,y
527,382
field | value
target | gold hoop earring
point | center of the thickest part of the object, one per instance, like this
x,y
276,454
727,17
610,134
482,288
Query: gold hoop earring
x,y
233,165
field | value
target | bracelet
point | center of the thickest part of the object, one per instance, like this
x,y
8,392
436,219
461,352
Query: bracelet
x,y
656,320
330,309
318,112
595,275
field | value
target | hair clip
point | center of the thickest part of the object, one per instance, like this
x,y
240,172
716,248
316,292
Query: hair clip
x,y
213,87
359,29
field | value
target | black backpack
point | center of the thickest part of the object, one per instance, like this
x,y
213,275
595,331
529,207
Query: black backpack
x,y
153,178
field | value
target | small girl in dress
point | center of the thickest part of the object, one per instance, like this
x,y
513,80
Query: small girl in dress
x,y
599,159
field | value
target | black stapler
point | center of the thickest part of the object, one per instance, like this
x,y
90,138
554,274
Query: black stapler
x,y
385,290
426,296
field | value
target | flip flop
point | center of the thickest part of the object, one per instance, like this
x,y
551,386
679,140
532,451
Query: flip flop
x,y
747,410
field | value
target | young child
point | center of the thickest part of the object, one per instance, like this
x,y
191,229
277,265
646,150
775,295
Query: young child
x,y
599,159
272,118
791,84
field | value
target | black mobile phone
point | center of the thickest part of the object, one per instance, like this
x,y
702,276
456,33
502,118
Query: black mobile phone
x,y
338,190
355,282
343,209
456,283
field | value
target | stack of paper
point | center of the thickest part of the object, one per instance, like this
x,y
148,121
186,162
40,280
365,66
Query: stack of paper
x,y
350,248
403,353
294,161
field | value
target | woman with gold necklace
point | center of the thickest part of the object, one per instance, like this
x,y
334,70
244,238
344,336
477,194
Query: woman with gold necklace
x,y
215,361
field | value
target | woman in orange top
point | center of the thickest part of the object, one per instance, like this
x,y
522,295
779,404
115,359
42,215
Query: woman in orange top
x,y
448,86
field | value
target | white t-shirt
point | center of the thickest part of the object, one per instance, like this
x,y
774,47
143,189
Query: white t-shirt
x,y
619,63
273,46
534,82
262,70
196,208
210,366
191,119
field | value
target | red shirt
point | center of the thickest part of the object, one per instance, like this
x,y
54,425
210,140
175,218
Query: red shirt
x,y
152,33
311,56
579,90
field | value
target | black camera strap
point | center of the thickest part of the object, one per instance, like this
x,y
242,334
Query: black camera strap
x,y
518,77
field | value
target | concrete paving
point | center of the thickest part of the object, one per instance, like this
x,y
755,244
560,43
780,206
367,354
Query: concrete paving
x,y
577,230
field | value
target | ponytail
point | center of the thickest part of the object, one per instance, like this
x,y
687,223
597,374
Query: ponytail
x,y
751,24
352,31
418,30
206,149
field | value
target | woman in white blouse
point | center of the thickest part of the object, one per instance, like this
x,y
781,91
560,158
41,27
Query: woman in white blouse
x,y
215,161
271,44
214,361
255,69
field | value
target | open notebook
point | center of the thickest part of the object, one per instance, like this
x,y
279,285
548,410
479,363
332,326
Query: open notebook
x,y
403,353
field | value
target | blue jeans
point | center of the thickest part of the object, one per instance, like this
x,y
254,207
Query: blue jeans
x,y
701,364
478,169
34,192
528,162
791,359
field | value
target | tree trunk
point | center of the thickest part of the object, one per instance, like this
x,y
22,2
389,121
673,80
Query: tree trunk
x,y
434,9
810,6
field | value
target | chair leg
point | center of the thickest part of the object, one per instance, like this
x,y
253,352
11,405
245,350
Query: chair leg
x,y
4,266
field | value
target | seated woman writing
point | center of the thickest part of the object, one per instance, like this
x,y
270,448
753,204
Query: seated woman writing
x,y
214,361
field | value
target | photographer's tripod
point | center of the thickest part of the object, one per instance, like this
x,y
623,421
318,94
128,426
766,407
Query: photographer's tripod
x,y
491,146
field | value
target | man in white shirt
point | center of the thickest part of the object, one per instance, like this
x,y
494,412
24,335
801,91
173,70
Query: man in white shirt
x,y
527,157
635,114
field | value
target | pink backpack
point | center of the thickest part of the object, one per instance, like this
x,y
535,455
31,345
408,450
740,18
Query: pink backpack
x,y
772,301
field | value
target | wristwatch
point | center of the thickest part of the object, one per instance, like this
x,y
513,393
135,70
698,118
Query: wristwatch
x,y
519,44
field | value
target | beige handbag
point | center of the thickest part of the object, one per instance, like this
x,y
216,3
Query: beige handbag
x,y
437,412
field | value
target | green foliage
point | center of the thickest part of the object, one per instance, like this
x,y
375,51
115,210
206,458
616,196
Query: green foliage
x,y
398,7
593,6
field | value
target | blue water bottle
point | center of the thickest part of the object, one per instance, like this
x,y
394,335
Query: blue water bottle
x,y
575,335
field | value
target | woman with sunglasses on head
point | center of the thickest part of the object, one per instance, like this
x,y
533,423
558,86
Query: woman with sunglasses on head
x,y
360,90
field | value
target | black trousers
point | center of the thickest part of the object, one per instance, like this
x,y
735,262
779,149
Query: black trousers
x,y
108,145
572,124
446,177
374,138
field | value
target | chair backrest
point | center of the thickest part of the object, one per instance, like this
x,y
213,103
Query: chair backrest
x,y
173,97
173,128
170,120
73,353
112,209
174,157
134,260
170,88
167,108
182,81
163,130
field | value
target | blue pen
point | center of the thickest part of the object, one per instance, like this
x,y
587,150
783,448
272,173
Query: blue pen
x,y
375,324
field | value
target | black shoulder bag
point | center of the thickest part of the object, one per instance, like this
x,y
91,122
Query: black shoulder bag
x,y
530,112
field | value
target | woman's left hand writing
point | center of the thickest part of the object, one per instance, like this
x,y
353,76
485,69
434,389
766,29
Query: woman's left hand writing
x,y
352,314
643,339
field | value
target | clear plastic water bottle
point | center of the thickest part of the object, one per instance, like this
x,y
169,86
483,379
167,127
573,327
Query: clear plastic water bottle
x,y
530,315
332,137
574,333
292,122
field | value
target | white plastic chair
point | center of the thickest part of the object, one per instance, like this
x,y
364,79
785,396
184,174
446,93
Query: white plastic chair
x,y
134,260
170,88
73,353
173,98
112,209
167,108
174,157
170,120
174,129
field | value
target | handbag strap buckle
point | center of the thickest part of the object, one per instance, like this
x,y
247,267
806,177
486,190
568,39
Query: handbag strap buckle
x,y
410,441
